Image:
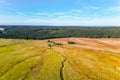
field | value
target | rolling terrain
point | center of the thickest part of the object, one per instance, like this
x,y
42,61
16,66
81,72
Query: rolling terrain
x,y
88,59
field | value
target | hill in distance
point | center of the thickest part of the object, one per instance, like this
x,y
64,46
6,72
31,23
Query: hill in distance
x,y
55,59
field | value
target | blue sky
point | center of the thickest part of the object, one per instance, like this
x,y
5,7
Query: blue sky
x,y
60,12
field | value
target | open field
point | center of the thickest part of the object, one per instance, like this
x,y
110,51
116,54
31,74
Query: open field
x,y
2,29
89,59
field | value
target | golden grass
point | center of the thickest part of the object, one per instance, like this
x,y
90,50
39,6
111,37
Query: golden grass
x,y
89,59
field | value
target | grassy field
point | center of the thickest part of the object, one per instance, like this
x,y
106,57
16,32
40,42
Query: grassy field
x,y
88,59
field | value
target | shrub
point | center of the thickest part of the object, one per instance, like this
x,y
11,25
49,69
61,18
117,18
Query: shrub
x,y
58,43
49,41
71,42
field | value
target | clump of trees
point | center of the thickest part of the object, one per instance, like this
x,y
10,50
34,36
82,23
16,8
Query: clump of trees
x,y
52,43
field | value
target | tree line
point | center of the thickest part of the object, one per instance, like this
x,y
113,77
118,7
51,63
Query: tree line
x,y
48,32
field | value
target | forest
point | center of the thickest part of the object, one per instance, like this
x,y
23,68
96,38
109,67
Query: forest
x,y
48,32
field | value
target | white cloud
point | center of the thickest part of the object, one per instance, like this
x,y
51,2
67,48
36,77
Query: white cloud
x,y
70,17
63,20
88,22
48,14
115,9
60,14
20,13
77,11
40,13
93,7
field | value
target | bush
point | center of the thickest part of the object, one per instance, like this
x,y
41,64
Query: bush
x,y
58,43
54,43
49,41
71,42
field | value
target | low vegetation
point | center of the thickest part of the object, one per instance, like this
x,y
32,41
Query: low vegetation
x,y
71,42
90,59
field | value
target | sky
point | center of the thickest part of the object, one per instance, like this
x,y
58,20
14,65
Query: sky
x,y
60,12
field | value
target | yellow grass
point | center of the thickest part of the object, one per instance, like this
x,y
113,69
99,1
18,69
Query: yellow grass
x,y
89,59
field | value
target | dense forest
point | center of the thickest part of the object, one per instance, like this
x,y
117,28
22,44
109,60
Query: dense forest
x,y
47,32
